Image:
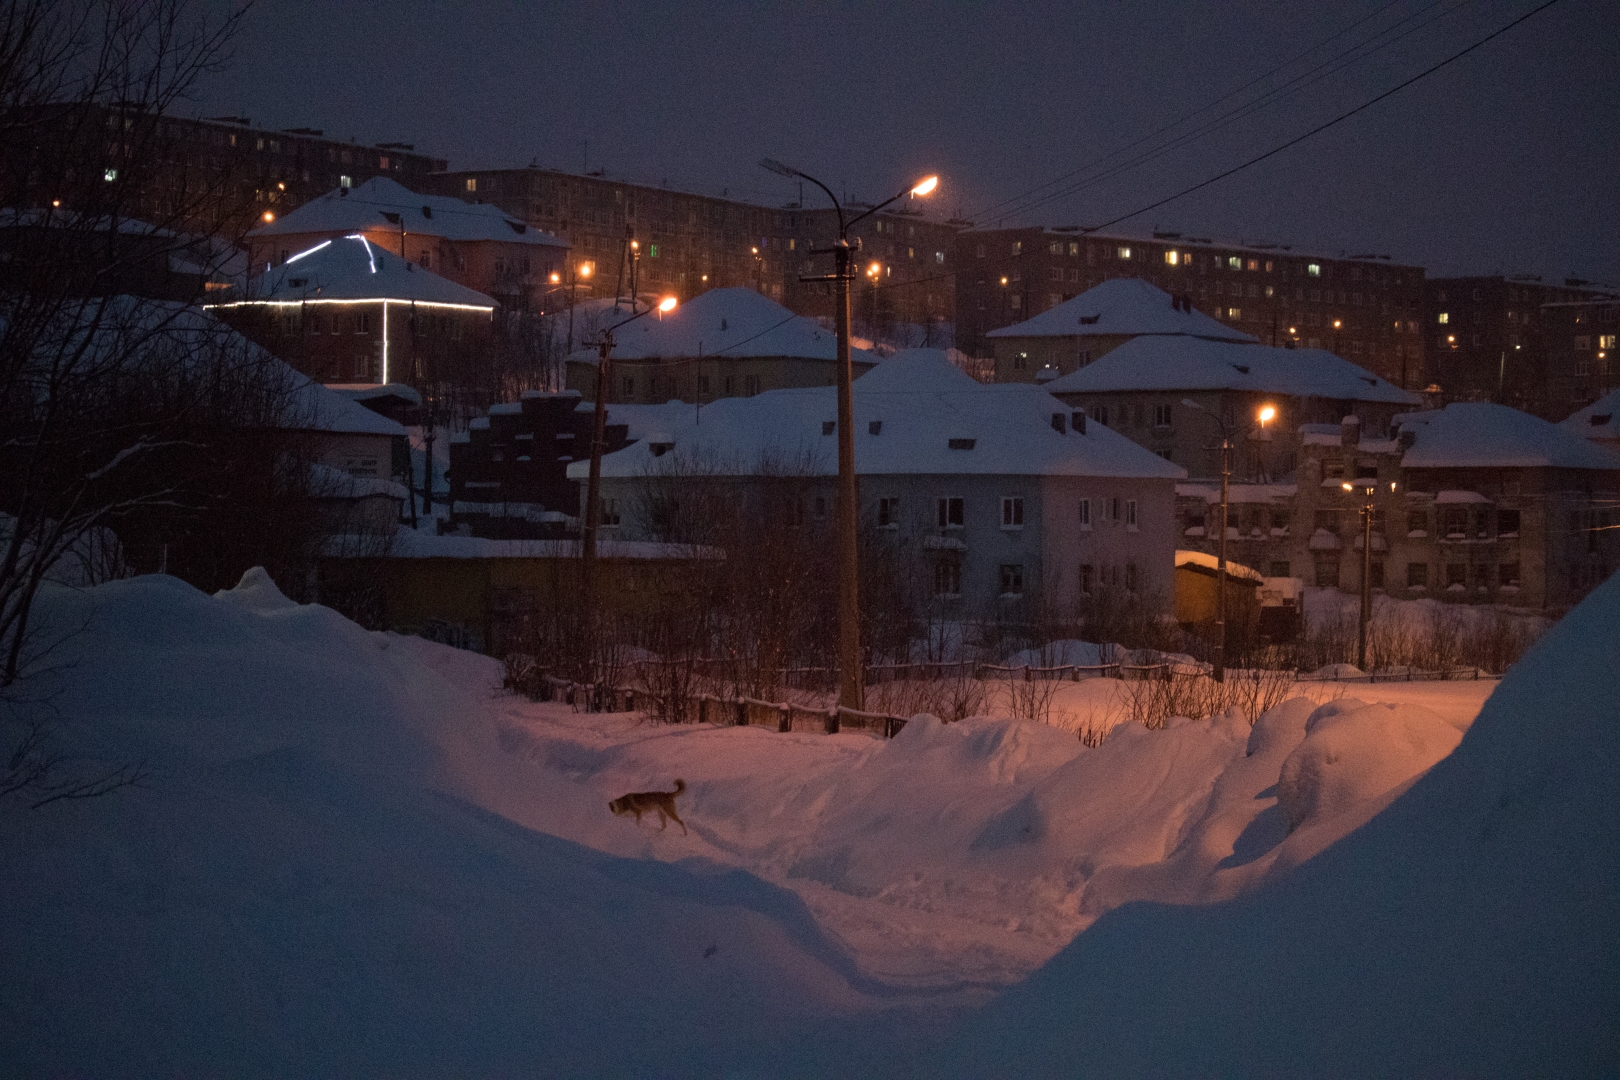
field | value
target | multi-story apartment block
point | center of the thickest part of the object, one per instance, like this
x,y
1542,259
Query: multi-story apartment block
x,y
1582,361
689,243
1490,340
1488,505
476,246
1367,308
220,175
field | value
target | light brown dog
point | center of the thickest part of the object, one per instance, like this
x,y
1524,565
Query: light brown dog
x,y
645,802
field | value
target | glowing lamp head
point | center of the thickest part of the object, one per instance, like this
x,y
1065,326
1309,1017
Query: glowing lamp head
x,y
635,245
586,269
926,186
1268,413
667,304
281,186
555,277
56,202
268,216
1004,281
1347,486
1338,324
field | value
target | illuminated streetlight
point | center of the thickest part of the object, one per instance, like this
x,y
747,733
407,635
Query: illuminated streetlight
x,y
1266,414
851,675
1368,486
667,304
268,216
555,278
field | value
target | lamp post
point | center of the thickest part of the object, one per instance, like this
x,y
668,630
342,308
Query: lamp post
x,y
575,272
593,483
851,691
874,274
1367,487
1264,416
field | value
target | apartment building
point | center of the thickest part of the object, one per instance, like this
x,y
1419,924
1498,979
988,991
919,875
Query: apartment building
x,y
688,243
1366,308
219,175
1490,340
1488,505
1579,338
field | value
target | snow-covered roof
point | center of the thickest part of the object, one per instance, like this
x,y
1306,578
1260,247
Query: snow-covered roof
x,y
364,208
1599,420
1173,362
1185,557
735,322
1466,435
1001,430
916,369
1121,306
353,268
372,391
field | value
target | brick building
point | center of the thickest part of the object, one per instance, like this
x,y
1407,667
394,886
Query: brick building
x,y
690,243
1490,505
1581,365
346,311
1367,309
1490,340
473,245
219,175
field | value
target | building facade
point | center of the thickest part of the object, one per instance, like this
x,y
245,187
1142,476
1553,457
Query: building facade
x,y
1493,338
219,175
1579,339
1488,505
689,243
1367,309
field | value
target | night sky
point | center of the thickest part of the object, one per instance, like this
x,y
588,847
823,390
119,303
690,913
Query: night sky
x,y
1507,161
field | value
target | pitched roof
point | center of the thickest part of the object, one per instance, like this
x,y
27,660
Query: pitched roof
x,y
357,209
1121,306
1484,435
353,268
1173,362
1599,420
734,322
1000,430
916,369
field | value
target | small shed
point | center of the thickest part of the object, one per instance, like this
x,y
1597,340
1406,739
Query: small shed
x,y
1198,586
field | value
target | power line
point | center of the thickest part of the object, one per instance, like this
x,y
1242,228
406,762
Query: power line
x,y
1277,149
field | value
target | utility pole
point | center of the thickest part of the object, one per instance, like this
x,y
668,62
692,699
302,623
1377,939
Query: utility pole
x,y
851,673
1366,577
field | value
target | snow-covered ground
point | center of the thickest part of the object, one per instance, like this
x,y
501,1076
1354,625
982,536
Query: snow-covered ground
x,y
353,854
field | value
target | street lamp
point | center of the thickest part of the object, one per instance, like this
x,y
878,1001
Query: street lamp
x,y
851,694
874,274
575,272
1266,414
593,484
1367,486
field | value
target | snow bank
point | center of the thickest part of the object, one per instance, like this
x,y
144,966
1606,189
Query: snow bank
x,y
1471,928
309,882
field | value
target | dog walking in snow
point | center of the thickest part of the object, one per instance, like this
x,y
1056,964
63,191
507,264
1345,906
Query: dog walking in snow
x,y
645,802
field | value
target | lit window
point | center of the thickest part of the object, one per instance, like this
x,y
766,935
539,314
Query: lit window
x,y
1605,341
1445,317
1173,258
939,257
110,175
1254,264
1074,248
1124,252
1314,269
1234,263
1234,313
472,183
345,182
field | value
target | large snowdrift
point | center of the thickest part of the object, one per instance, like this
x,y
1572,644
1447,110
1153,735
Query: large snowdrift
x,y
1471,928
307,884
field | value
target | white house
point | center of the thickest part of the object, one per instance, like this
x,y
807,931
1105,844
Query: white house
x,y
1000,492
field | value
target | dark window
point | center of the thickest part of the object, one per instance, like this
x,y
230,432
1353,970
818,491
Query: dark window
x,y
1086,574
1508,574
948,578
888,512
962,444
950,513
1417,521
1507,522
1012,513
1456,575
1375,576
1130,577
1328,519
1280,569
1012,579
1456,524
1417,575
1327,575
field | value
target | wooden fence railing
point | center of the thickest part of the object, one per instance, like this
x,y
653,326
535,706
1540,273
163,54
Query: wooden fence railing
x,y
740,711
